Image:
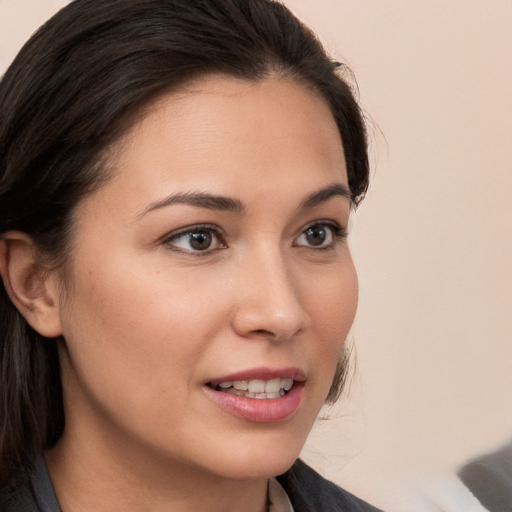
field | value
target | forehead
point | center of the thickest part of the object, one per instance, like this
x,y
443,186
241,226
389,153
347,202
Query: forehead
x,y
229,136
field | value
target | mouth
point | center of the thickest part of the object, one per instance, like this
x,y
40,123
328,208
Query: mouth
x,y
256,388
259,395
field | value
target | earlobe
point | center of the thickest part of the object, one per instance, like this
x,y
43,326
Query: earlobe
x,y
28,285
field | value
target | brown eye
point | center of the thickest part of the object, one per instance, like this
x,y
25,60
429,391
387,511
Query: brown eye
x,y
318,235
196,240
201,240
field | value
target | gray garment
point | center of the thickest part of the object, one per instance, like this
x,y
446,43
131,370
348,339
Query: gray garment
x,y
307,490
310,492
489,478
32,493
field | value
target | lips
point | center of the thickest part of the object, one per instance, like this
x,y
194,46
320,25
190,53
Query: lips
x,y
260,395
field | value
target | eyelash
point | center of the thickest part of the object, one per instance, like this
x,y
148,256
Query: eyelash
x,y
338,234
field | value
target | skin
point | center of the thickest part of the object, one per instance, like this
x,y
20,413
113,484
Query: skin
x,y
147,320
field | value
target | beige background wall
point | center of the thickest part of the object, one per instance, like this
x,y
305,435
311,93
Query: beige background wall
x,y
432,241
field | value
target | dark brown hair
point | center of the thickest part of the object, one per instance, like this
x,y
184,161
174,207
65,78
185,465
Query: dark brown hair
x,y
67,96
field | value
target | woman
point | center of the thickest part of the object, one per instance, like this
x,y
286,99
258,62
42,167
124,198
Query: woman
x,y
177,179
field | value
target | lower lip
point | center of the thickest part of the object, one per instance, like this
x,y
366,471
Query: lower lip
x,y
266,410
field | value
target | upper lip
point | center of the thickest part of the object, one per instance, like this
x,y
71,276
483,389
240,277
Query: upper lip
x,y
262,373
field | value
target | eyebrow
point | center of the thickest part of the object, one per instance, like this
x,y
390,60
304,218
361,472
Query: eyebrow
x,y
324,194
199,199
228,204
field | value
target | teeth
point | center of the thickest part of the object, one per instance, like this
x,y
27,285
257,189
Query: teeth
x,y
287,384
267,395
233,391
257,388
273,386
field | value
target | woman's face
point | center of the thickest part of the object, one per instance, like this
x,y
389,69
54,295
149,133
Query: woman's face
x,y
214,260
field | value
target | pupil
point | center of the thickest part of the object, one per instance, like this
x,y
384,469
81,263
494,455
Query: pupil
x,y
200,240
316,235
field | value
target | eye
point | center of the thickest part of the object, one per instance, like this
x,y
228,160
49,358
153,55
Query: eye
x,y
196,239
321,235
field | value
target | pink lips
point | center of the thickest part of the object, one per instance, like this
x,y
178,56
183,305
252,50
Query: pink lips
x,y
269,410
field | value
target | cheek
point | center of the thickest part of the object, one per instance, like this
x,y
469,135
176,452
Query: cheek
x,y
123,328
136,343
141,322
332,309
333,302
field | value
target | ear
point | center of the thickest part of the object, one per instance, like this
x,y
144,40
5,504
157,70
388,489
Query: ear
x,y
33,290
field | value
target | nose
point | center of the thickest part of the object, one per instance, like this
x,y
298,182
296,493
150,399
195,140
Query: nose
x,y
268,302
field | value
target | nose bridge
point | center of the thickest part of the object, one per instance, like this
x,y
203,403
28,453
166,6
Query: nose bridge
x,y
271,303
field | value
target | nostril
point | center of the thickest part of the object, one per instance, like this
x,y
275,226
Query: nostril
x,y
265,332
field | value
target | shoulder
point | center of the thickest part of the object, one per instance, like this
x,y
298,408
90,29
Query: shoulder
x,y
310,492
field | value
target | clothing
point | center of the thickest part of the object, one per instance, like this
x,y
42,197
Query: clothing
x,y
32,492
278,499
306,489
310,492
489,478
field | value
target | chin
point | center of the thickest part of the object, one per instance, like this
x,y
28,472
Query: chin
x,y
263,460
